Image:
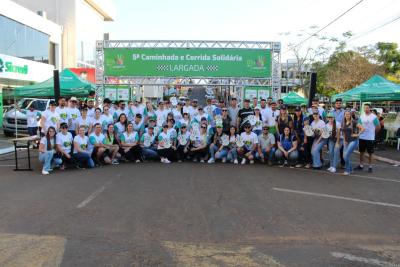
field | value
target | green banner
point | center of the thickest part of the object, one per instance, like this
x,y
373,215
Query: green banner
x,y
191,62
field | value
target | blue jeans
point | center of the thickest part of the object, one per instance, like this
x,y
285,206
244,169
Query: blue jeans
x,y
82,157
149,153
47,159
270,155
221,154
334,152
347,151
292,157
213,149
316,152
232,154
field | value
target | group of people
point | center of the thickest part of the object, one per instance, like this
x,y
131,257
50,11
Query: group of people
x,y
260,130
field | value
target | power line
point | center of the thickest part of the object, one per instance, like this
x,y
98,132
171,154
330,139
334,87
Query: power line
x,y
374,29
327,25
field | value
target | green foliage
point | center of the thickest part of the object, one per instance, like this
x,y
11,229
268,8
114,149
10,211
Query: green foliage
x,y
388,55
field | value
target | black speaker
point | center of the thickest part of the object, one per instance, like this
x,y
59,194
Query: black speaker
x,y
56,79
313,87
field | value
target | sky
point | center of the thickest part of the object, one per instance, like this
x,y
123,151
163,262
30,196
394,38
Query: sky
x,y
285,21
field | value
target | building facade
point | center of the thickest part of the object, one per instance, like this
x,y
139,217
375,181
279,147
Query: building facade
x,y
30,49
82,22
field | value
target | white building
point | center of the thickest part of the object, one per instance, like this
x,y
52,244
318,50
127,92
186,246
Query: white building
x,y
294,75
82,22
30,46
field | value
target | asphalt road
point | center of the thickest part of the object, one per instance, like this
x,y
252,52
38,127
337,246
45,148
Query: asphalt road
x,y
187,214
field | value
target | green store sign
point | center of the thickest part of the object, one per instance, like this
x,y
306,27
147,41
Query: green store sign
x,y
191,62
8,66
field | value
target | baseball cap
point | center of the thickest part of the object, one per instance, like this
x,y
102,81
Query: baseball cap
x,y
73,99
297,108
283,106
247,100
330,115
52,103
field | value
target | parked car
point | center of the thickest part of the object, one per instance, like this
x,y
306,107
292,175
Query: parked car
x,y
12,116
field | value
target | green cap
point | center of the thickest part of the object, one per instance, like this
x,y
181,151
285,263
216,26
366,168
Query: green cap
x,y
330,115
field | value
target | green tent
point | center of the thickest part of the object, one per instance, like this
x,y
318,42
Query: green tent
x,y
70,85
293,99
376,88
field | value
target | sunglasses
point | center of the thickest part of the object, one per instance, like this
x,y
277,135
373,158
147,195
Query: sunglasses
x,y
203,127
224,110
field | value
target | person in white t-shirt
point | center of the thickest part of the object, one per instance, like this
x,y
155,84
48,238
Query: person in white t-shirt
x,y
50,118
62,109
84,121
81,149
371,125
96,147
64,141
32,116
130,148
250,141
73,115
319,142
47,150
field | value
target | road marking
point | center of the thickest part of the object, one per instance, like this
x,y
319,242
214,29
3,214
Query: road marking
x,y
363,260
93,195
337,197
352,175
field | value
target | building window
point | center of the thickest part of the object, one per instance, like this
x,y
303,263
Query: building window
x,y
22,41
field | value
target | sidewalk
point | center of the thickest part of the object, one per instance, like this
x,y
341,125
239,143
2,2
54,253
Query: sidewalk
x,y
6,144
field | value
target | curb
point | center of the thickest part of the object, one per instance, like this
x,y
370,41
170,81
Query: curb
x,y
6,150
386,160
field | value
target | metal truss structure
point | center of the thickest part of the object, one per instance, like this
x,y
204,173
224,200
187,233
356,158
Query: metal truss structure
x,y
273,81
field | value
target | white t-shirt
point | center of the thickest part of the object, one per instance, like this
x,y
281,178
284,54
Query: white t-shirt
x,y
369,122
264,112
91,113
44,142
106,120
172,133
270,119
119,128
31,117
249,140
95,139
149,137
82,142
52,118
65,141
73,115
318,125
163,137
63,111
329,126
84,122
177,115
130,138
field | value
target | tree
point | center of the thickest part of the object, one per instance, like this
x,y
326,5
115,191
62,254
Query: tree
x,y
389,56
345,70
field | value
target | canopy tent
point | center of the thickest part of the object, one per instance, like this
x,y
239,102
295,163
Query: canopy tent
x,y
293,98
376,88
70,85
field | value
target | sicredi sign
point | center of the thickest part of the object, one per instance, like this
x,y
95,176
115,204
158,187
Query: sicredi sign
x,y
21,69
192,62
